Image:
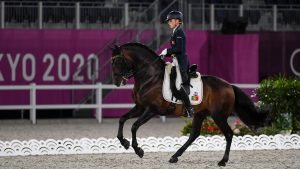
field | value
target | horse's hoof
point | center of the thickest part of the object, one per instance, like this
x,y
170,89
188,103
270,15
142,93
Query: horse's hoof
x,y
140,152
126,144
222,163
173,160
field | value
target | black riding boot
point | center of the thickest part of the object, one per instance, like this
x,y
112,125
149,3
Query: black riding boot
x,y
185,99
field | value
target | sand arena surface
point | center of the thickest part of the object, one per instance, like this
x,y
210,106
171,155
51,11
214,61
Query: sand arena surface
x,y
275,159
89,128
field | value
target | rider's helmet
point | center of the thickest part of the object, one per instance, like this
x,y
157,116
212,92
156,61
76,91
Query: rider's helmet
x,y
174,15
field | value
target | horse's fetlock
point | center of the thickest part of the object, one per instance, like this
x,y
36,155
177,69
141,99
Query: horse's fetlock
x,y
134,145
120,138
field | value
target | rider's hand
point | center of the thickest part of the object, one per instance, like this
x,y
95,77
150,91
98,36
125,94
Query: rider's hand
x,y
164,52
162,57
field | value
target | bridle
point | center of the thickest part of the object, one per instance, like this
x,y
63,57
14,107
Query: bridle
x,y
127,71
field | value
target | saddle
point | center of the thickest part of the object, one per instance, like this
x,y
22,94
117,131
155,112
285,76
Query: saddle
x,y
173,81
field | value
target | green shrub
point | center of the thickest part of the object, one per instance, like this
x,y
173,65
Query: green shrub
x,y
282,94
186,130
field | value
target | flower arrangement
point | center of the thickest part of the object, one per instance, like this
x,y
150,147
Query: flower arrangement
x,y
210,128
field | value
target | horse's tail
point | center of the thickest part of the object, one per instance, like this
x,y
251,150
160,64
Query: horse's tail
x,y
245,109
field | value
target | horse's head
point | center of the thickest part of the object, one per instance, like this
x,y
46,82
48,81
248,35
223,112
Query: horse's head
x,y
120,67
134,59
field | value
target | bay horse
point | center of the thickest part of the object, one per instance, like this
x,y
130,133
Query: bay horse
x,y
220,99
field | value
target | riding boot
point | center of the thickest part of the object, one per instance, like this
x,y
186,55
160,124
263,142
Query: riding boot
x,y
185,81
185,99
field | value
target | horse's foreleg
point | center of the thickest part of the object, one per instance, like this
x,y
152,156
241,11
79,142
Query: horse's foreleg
x,y
146,116
196,128
228,133
134,112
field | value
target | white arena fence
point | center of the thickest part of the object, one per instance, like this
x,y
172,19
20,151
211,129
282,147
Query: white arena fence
x,y
98,105
150,144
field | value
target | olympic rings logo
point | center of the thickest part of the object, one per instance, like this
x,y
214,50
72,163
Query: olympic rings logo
x,y
292,62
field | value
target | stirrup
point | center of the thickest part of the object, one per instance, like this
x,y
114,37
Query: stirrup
x,y
190,112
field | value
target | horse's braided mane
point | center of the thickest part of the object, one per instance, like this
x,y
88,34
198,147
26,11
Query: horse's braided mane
x,y
140,45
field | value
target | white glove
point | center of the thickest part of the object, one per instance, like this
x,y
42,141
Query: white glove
x,y
163,53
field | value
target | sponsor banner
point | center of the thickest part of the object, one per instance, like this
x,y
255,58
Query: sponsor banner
x,y
50,57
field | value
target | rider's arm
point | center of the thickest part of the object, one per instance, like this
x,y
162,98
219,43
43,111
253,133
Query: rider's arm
x,y
178,47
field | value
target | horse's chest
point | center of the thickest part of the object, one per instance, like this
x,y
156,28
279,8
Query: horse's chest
x,y
145,96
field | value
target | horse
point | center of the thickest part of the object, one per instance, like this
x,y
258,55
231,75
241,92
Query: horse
x,y
220,99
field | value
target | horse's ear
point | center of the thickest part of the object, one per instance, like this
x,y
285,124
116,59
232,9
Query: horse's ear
x,y
110,47
117,47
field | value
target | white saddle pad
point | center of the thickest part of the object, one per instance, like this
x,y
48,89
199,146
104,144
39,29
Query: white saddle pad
x,y
196,91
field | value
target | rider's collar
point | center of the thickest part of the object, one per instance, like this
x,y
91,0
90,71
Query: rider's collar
x,y
176,28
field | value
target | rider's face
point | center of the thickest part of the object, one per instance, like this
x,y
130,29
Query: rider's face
x,y
173,23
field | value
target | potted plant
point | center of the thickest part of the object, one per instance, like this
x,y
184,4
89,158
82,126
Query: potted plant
x,y
282,94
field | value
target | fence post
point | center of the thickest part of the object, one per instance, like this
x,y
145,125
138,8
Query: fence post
x,y
157,26
40,15
126,20
190,15
2,14
33,103
241,10
99,102
77,15
274,17
203,14
212,17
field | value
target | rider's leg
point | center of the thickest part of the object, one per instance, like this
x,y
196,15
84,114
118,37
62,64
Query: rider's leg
x,y
184,94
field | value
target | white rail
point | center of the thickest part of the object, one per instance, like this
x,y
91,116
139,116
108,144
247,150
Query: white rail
x,y
99,105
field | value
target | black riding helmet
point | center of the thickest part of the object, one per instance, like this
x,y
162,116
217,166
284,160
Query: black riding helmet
x,y
174,15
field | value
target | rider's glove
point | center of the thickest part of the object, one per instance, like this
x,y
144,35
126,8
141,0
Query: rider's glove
x,y
163,53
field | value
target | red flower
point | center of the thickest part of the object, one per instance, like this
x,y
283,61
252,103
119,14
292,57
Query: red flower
x,y
210,128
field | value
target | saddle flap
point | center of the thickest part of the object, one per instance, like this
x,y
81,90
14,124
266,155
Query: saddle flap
x,y
195,95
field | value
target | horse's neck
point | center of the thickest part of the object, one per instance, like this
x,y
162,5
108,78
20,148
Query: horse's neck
x,y
147,74
147,68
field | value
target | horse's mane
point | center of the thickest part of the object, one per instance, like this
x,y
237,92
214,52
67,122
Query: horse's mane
x,y
140,45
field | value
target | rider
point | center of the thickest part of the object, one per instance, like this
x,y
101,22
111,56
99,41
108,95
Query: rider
x,y
174,19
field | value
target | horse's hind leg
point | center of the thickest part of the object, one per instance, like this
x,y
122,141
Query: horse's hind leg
x,y
228,133
134,112
146,116
196,128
